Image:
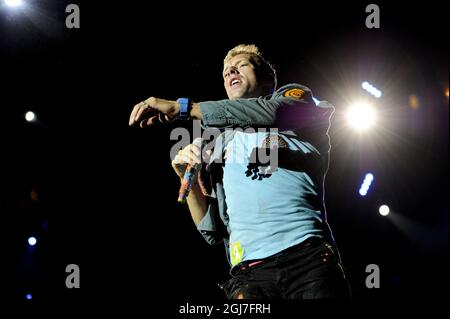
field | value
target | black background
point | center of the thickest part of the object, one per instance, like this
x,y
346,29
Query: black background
x,y
108,194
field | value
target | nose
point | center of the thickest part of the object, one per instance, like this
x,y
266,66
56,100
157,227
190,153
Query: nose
x,y
232,70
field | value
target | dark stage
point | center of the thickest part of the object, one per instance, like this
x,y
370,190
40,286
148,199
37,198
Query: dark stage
x,y
99,194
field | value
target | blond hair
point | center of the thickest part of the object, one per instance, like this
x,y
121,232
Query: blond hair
x,y
250,49
263,68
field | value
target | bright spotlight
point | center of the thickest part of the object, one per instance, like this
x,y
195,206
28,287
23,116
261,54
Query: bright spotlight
x,y
13,3
361,116
316,101
371,89
30,116
366,184
32,241
384,210
28,296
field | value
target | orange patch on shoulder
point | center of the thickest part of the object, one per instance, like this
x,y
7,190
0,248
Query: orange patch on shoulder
x,y
295,93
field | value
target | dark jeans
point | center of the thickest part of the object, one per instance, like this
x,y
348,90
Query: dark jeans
x,y
310,270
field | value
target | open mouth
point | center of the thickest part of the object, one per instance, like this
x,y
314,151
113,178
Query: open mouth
x,y
235,83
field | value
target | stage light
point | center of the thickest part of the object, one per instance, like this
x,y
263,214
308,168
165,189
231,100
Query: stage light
x,y
28,296
361,116
13,3
384,210
371,89
364,188
30,116
32,241
413,102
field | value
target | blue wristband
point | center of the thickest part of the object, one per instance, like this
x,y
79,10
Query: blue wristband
x,y
184,108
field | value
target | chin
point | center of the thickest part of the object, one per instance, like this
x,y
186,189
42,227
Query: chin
x,y
237,95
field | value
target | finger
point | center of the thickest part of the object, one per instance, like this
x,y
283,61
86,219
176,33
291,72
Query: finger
x,y
192,155
195,149
141,110
149,122
133,115
177,161
188,151
191,148
163,118
178,167
186,159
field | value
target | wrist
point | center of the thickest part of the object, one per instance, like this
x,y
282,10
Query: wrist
x,y
196,111
176,110
184,108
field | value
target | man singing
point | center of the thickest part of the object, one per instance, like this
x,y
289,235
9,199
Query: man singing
x,y
271,218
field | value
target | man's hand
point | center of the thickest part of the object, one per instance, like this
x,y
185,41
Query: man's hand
x,y
154,110
190,155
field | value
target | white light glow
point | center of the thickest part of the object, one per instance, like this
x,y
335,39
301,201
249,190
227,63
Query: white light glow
x,y
32,241
371,89
384,210
361,116
13,3
366,184
30,116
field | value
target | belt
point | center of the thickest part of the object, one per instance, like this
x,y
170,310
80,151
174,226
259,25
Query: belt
x,y
302,245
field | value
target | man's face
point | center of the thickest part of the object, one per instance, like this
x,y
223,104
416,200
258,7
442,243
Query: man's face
x,y
240,78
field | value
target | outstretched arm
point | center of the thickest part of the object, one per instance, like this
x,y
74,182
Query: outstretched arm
x,y
154,110
290,107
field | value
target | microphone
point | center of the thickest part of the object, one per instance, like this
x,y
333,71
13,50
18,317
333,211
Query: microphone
x,y
189,176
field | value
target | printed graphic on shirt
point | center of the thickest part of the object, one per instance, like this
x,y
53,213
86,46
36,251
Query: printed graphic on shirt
x,y
263,160
237,253
273,141
294,93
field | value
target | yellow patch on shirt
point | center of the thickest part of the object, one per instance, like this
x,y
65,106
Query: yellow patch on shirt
x,y
294,93
272,141
237,253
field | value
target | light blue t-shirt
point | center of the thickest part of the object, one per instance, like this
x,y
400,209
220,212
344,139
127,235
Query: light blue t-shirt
x,y
271,210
